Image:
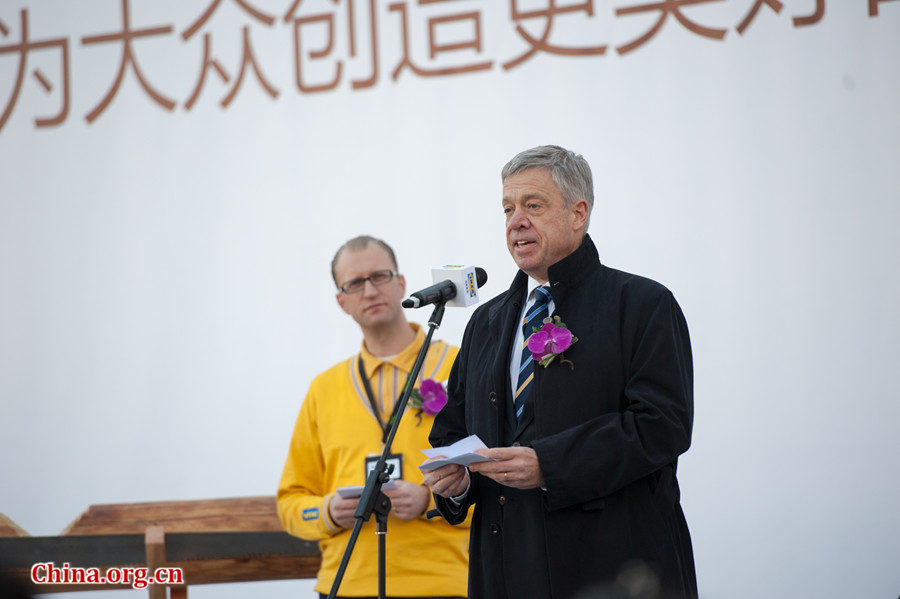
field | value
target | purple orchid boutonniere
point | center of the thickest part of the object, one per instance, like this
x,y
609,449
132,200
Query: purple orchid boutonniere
x,y
550,341
430,397
433,396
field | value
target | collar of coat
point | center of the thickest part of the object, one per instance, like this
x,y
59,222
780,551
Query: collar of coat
x,y
565,276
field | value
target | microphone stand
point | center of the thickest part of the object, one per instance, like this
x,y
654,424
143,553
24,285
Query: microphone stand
x,y
372,499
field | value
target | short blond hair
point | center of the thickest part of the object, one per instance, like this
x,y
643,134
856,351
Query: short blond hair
x,y
357,244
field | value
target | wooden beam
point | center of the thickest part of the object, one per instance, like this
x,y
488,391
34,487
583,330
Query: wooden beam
x,y
118,550
8,528
235,514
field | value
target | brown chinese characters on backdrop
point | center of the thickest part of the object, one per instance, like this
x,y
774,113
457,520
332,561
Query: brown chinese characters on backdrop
x,y
436,38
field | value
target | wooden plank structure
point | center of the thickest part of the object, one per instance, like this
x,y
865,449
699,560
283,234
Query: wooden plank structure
x,y
211,540
8,528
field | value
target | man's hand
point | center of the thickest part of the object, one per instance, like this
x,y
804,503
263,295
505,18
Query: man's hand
x,y
516,467
447,481
408,500
341,510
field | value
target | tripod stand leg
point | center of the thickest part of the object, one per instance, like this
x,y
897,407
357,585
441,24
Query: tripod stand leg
x,y
381,512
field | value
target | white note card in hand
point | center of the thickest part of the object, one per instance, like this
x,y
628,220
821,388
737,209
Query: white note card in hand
x,y
462,452
352,491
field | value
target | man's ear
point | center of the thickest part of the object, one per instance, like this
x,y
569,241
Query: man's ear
x,y
402,280
579,213
340,300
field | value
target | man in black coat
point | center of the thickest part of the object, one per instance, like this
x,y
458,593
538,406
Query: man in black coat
x,y
580,498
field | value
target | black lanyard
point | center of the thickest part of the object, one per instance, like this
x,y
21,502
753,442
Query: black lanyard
x,y
385,427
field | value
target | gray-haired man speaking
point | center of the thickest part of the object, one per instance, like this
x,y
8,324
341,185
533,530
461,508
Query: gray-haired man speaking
x,y
579,380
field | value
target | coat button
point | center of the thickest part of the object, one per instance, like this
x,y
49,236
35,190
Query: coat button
x,y
502,500
516,444
495,530
493,398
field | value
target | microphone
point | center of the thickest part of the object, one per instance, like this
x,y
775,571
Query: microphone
x,y
458,287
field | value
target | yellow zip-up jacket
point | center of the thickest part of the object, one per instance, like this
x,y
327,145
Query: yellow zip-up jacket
x,y
335,431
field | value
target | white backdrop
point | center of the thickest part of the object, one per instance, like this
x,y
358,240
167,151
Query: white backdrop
x,y
165,295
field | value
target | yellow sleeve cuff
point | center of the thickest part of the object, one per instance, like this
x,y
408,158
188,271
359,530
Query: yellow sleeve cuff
x,y
331,526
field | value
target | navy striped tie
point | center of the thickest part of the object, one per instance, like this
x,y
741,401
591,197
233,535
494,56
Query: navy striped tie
x,y
534,318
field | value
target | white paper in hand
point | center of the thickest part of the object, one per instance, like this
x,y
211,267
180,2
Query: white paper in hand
x,y
462,452
356,490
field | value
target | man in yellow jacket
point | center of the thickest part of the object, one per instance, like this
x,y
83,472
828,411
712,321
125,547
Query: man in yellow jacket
x,y
340,432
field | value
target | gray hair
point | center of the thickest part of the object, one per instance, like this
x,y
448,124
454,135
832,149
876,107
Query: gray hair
x,y
570,172
357,244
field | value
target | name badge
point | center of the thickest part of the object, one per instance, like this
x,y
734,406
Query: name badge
x,y
395,459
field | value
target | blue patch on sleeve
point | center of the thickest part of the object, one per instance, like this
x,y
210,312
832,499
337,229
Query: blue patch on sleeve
x,y
310,513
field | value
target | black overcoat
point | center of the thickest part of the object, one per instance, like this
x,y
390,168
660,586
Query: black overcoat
x,y
607,433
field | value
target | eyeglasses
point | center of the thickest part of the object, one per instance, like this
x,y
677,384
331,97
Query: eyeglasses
x,y
377,278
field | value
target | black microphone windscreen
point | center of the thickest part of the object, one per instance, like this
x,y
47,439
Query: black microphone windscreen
x,y
480,276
